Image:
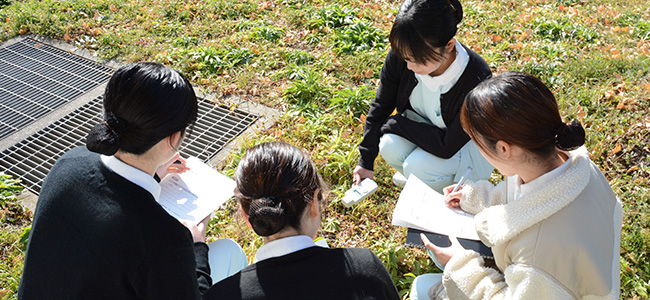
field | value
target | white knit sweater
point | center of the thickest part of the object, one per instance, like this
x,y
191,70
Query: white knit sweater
x,y
559,241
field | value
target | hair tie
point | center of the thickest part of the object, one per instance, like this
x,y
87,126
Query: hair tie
x,y
561,130
114,123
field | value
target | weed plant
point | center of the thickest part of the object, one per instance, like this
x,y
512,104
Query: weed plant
x,y
319,62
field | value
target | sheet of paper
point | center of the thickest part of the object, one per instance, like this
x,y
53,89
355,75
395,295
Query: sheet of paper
x,y
422,208
193,195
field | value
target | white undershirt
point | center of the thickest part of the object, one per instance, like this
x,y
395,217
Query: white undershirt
x,y
425,97
132,174
283,246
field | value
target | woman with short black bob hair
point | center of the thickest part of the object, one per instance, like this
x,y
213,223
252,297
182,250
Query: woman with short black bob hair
x,y
425,78
554,224
98,232
281,194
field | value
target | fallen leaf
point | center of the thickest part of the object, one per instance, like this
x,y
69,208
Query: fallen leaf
x,y
362,118
369,73
112,8
621,104
66,37
496,38
617,149
359,128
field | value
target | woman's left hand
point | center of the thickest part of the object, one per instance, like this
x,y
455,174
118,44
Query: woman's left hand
x,y
172,167
443,254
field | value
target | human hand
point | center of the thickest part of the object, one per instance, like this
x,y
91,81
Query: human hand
x,y
452,199
442,254
360,173
198,230
170,166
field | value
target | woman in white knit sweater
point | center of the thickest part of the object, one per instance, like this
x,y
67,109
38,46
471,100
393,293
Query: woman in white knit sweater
x,y
553,225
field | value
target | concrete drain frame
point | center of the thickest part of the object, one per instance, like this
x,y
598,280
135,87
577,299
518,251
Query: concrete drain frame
x,y
41,139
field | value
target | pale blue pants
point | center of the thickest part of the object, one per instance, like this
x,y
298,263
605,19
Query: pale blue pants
x,y
407,158
226,258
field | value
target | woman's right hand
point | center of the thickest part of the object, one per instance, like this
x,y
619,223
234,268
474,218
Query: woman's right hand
x,y
452,200
360,173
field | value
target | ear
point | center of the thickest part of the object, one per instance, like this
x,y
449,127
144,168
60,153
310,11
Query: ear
x,y
314,205
248,223
450,45
175,140
503,150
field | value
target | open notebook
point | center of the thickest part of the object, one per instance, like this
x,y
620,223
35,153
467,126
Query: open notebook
x,y
422,209
195,194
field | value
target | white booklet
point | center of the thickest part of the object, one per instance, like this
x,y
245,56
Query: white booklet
x,y
195,194
420,207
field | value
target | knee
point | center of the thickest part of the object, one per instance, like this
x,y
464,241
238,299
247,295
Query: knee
x,y
394,148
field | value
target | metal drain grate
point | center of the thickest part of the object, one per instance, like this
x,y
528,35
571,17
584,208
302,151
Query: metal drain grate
x,y
36,79
31,159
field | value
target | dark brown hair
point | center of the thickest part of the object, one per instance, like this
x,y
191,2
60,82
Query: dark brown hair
x,y
519,109
422,28
275,182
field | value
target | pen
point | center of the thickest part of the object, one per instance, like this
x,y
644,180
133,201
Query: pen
x,y
462,179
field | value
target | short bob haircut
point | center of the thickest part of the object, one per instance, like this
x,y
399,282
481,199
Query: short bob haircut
x,y
423,27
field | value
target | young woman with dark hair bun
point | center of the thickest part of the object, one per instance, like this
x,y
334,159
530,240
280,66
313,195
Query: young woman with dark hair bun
x,y
281,194
98,232
553,225
425,78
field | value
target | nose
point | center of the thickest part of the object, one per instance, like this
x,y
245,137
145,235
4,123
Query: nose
x,y
410,66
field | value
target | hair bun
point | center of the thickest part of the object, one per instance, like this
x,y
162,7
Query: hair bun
x,y
102,139
570,136
267,216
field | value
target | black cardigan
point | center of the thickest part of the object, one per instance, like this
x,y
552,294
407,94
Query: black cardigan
x,y
97,235
312,273
397,83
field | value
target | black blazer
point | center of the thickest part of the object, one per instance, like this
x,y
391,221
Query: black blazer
x,y
397,83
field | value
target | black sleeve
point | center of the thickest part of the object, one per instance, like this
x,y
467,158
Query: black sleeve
x,y
380,109
443,143
202,267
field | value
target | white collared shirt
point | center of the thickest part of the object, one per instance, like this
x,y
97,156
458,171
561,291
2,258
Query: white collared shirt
x,y
283,246
425,97
132,174
520,189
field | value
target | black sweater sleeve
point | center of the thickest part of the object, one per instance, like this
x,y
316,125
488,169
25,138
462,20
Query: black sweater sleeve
x,y
202,267
381,108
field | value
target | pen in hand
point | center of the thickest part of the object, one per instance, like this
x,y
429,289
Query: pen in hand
x,y
461,182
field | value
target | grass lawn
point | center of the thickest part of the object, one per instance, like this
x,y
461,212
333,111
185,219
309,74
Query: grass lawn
x,y
319,62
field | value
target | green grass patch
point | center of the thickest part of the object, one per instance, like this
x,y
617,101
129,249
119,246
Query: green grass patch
x,y
319,62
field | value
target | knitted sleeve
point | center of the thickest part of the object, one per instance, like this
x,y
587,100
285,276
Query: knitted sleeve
x,y
466,277
482,194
